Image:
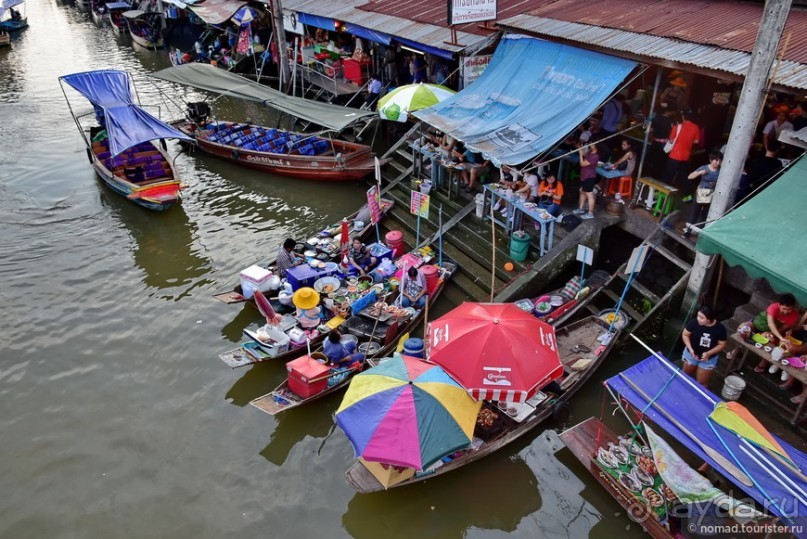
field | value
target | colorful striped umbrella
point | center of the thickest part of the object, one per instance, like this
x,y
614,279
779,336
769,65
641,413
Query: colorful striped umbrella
x,y
406,412
403,100
496,351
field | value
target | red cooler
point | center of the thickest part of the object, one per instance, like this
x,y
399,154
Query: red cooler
x,y
432,277
304,369
395,241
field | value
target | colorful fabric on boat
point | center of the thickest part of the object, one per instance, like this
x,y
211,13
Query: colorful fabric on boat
x,y
691,405
736,417
689,485
406,412
126,123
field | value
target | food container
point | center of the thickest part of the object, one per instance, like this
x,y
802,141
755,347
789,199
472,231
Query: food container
x,y
312,243
369,348
556,301
310,253
326,285
525,305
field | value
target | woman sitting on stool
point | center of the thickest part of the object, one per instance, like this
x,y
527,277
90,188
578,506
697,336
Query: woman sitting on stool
x,y
342,354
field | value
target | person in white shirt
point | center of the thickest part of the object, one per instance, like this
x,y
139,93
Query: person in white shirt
x,y
775,127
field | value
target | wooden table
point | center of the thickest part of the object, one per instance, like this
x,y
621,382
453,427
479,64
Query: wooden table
x,y
664,203
737,362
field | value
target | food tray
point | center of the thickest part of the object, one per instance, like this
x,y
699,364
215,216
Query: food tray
x,y
383,317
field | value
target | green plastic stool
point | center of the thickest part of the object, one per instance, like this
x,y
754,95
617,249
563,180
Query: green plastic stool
x,y
664,204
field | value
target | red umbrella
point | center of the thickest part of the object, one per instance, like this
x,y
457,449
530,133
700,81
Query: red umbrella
x,y
495,350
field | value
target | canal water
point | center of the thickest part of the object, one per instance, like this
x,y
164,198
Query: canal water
x,y
118,418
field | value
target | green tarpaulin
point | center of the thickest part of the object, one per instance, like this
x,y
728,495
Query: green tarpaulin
x,y
766,234
220,81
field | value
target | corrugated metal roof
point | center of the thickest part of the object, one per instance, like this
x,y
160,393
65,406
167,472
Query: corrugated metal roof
x,y
790,74
730,24
348,11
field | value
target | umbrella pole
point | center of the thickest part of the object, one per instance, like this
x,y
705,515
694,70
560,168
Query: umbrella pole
x,y
426,320
493,249
417,232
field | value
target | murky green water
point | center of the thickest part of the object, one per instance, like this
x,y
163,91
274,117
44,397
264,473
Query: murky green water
x,y
119,420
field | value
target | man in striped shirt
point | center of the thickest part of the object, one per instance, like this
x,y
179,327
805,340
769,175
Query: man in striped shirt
x,y
287,258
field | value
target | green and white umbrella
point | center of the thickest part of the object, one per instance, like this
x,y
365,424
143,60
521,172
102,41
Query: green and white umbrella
x,y
397,104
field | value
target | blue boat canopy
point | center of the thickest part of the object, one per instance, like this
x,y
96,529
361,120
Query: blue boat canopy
x,y
532,94
127,125
690,405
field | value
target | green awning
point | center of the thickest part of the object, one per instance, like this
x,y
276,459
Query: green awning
x,y
766,234
220,81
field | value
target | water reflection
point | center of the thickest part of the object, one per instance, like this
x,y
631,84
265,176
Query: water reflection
x,y
247,314
293,426
164,246
258,380
496,493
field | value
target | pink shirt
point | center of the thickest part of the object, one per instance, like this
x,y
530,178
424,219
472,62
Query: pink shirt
x,y
786,320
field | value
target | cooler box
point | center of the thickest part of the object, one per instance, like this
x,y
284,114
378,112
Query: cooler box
x,y
301,371
379,250
300,276
254,278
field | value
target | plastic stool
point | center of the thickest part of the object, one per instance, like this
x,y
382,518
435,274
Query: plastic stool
x,y
664,204
574,175
622,185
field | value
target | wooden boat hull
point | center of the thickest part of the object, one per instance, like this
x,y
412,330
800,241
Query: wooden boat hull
x,y
583,440
5,40
146,42
583,332
157,194
98,18
282,398
346,161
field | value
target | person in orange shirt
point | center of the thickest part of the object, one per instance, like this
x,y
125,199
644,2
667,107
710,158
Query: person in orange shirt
x,y
550,193
684,135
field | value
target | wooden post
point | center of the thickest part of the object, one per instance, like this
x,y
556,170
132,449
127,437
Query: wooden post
x,y
771,26
280,36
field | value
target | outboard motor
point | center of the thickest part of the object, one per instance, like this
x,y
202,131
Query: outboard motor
x,y
198,112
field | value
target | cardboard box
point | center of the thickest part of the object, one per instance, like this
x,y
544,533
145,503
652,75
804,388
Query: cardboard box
x,y
300,373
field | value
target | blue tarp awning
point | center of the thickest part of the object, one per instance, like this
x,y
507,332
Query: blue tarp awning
x,y
127,124
448,55
366,33
532,94
690,404
326,23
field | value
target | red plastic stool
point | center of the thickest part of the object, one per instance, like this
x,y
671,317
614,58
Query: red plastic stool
x,y
622,185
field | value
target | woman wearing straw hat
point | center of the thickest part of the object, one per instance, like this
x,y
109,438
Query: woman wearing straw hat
x,y
306,300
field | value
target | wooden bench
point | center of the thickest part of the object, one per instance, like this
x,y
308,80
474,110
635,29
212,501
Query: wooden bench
x,y
665,201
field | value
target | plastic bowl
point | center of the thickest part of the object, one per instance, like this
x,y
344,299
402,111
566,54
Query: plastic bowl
x,y
759,339
322,282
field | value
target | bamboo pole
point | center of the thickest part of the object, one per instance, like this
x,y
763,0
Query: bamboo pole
x,y
493,248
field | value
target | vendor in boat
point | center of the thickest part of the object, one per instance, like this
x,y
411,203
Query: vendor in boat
x,y
414,290
704,338
287,258
342,354
359,256
306,300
